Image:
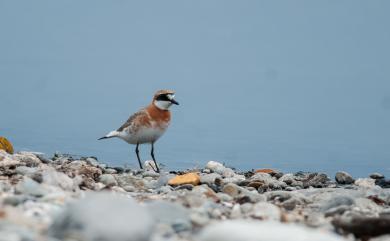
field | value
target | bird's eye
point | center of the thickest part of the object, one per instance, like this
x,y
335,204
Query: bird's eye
x,y
163,97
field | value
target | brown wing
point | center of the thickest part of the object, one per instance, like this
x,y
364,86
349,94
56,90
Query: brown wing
x,y
134,119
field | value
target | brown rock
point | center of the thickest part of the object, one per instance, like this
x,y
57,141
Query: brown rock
x,y
6,145
266,171
90,172
27,158
256,184
211,194
189,178
231,189
363,227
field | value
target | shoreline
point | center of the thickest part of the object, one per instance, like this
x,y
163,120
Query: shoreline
x,y
67,198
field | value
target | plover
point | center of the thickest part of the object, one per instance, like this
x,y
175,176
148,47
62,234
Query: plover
x,y
148,124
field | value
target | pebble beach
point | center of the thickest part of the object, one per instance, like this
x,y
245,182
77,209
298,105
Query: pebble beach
x,y
83,199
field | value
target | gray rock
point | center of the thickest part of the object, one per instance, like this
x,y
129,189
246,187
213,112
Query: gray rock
x,y
381,238
7,161
194,199
338,210
376,175
236,178
110,171
268,182
28,158
288,200
250,196
232,189
172,214
362,226
236,211
280,196
92,161
335,201
383,183
314,220
5,186
43,158
209,179
288,178
165,189
292,203
318,180
102,166
24,170
263,231
219,168
127,179
118,169
365,182
227,172
242,195
224,197
104,217
199,218
10,232
163,179
60,160
246,208
150,173
59,179
278,174
214,166
129,188
184,186
108,180
14,200
365,205
344,178
30,187
266,211
290,189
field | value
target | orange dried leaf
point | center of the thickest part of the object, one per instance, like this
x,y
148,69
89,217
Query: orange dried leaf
x,y
6,145
189,178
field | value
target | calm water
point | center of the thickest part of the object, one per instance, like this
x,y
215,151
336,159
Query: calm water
x,y
296,85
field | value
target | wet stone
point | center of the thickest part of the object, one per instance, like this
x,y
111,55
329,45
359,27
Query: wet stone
x,y
108,180
318,180
376,175
344,178
209,178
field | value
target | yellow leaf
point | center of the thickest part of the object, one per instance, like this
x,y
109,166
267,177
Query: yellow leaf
x,y
6,145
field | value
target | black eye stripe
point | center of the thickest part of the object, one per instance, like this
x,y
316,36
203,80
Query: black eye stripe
x,y
163,97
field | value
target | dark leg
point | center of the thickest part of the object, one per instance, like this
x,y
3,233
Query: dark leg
x,y
139,160
154,159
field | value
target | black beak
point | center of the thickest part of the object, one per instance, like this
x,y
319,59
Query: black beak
x,y
174,102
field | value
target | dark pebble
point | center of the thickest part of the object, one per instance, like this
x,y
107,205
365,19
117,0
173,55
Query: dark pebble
x,y
185,186
383,183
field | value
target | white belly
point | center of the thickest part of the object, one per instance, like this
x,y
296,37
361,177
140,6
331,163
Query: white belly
x,y
144,135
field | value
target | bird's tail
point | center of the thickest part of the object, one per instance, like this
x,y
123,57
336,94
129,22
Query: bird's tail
x,y
109,135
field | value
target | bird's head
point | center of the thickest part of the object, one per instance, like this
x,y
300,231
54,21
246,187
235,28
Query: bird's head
x,y
163,99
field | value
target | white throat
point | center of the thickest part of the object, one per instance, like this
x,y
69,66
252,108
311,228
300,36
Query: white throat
x,y
162,104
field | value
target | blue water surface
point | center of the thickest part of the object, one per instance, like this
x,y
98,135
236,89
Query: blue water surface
x,y
292,85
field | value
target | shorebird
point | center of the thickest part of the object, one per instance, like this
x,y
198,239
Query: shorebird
x,y
148,124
